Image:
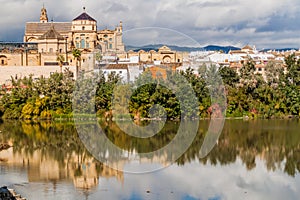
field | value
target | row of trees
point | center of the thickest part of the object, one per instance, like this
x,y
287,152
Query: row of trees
x,y
277,95
247,93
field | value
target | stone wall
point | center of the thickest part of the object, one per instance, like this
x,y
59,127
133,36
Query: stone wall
x,y
20,71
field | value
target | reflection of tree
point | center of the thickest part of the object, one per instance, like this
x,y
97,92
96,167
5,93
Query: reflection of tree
x,y
275,142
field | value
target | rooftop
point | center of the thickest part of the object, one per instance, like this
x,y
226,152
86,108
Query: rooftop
x,y
84,16
41,28
52,34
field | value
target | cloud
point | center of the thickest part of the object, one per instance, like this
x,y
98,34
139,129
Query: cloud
x,y
219,21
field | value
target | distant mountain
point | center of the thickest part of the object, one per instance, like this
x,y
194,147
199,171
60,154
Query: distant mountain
x,y
155,47
280,50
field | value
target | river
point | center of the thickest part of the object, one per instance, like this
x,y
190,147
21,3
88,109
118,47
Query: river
x,y
257,159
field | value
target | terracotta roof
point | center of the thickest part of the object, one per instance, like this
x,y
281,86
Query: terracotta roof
x,y
117,66
52,34
236,65
247,47
260,66
237,52
41,28
84,16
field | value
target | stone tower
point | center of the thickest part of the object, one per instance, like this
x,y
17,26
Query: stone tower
x,y
44,17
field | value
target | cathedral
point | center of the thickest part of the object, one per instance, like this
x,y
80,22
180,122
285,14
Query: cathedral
x,y
44,40
81,33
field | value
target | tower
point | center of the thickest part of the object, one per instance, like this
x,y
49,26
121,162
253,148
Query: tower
x,y
43,17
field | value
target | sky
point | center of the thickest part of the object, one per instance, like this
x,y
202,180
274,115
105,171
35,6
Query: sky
x,y
188,182
263,23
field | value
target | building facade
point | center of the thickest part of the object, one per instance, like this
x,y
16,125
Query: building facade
x,y
44,40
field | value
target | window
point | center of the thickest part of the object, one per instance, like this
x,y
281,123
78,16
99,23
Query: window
x,y
51,50
82,43
83,28
110,46
77,45
105,36
87,45
110,39
120,72
82,35
2,62
60,50
77,38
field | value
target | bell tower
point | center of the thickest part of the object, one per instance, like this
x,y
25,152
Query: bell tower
x,y
44,17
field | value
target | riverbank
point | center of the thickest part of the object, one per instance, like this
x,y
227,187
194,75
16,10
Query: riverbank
x,y
4,146
9,194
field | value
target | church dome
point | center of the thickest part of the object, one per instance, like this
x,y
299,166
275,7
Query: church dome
x,y
84,16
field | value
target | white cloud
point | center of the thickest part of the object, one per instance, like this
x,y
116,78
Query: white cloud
x,y
218,21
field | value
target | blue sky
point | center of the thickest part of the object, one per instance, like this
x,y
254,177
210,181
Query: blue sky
x,y
264,23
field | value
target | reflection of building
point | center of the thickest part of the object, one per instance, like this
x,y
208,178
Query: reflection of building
x,y
84,172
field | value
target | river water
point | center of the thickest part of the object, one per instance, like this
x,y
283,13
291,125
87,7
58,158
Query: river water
x,y
252,160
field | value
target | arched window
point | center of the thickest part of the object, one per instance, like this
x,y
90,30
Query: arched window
x,y
82,43
83,28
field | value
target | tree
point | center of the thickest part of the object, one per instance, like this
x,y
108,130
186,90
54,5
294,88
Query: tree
x,y
60,58
77,55
229,76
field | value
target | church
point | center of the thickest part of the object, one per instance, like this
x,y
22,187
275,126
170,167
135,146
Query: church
x,y
81,33
44,40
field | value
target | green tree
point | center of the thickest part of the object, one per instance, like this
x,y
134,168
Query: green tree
x,y
60,59
77,55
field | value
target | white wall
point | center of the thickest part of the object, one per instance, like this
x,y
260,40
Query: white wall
x,y
37,71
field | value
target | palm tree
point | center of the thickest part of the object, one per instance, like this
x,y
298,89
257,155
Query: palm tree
x,y
77,55
60,58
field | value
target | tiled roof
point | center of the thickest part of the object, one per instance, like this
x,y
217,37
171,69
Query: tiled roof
x,y
41,28
84,16
247,47
117,66
52,34
237,52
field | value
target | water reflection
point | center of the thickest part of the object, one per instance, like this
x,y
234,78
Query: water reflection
x,y
52,152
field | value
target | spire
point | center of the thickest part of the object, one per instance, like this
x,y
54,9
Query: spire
x,y
43,17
